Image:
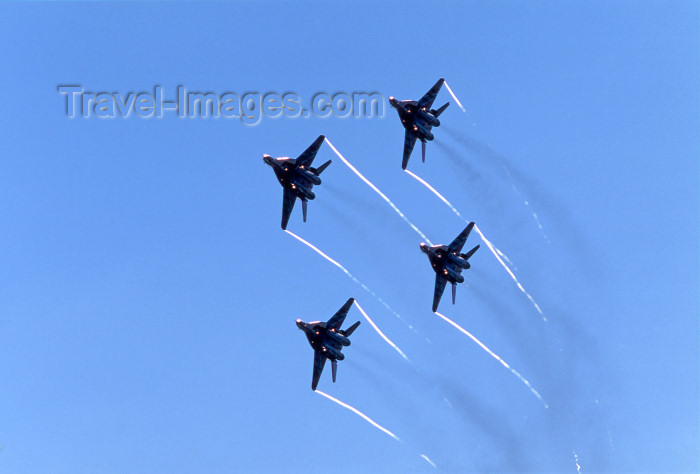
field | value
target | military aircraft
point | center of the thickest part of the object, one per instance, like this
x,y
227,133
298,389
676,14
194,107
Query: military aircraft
x,y
297,177
418,119
327,340
448,263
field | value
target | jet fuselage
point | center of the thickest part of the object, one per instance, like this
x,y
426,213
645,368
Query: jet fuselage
x,y
295,178
449,264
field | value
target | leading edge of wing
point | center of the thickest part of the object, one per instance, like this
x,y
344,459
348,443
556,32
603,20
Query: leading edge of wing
x,y
458,243
288,200
440,283
429,97
319,362
339,317
306,158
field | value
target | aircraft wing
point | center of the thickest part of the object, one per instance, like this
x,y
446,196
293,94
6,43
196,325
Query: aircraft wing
x,y
408,143
440,282
429,97
458,243
319,362
306,158
288,200
339,317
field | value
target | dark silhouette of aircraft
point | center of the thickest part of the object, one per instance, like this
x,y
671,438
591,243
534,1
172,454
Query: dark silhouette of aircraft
x,y
327,340
418,119
448,263
297,177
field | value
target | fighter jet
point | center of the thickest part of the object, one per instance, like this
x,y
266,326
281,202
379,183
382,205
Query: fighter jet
x,y
327,340
448,263
297,177
418,119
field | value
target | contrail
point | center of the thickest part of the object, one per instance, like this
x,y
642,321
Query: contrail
x,y
454,97
435,191
381,194
383,336
428,460
492,354
496,253
345,270
358,412
527,204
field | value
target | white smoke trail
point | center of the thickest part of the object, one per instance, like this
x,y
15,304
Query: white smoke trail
x,y
578,466
352,277
492,354
527,204
428,460
381,334
381,194
435,191
495,252
505,257
454,97
358,412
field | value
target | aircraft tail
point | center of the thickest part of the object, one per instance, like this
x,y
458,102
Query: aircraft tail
x,y
437,112
320,169
351,329
334,365
470,253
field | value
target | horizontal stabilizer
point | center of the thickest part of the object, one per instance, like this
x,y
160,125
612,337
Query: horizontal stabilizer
x,y
437,112
471,252
320,169
351,329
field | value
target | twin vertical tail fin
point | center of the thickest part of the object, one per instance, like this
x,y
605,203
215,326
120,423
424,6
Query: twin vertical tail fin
x,y
423,147
303,208
454,293
334,366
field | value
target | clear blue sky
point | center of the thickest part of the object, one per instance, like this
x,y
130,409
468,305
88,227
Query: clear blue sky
x,y
148,295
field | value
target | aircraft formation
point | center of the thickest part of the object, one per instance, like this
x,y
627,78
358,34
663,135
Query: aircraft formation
x,y
297,177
